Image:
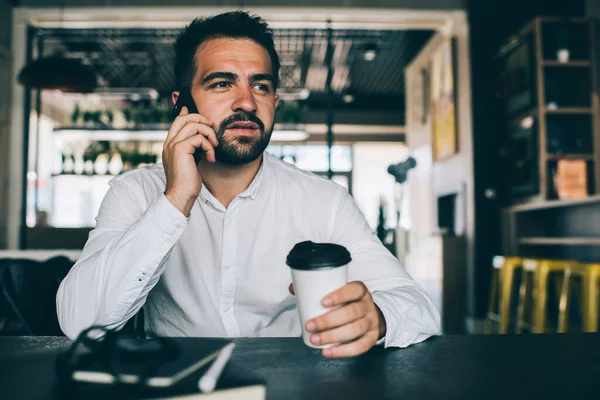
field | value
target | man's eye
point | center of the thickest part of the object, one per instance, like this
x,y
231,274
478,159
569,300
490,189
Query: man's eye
x,y
263,87
220,85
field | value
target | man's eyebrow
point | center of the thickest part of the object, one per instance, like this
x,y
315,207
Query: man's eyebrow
x,y
219,75
262,77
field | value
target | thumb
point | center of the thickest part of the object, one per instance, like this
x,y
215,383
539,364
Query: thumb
x,y
291,289
184,111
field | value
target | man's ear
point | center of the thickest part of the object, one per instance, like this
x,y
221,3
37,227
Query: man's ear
x,y
174,97
276,100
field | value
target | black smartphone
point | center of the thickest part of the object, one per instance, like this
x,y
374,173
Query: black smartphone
x,y
185,99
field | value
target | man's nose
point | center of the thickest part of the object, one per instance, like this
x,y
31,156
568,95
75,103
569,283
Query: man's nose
x,y
244,101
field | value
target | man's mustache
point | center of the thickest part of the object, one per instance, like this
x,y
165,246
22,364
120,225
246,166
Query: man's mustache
x,y
241,117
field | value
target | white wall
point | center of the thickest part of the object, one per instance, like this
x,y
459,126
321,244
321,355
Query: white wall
x,y
433,178
370,179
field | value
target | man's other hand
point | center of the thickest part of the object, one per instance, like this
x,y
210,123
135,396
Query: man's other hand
x,y
358,322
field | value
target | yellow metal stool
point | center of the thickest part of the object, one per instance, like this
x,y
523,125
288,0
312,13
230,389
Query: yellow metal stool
x,y
502,278
536,274
590,275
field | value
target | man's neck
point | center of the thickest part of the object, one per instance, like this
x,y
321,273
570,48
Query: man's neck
x,y
225,182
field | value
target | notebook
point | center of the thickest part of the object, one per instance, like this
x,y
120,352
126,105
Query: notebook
x,y
194,357
178,378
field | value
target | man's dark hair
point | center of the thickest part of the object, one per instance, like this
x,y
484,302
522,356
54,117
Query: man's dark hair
x,y
235,25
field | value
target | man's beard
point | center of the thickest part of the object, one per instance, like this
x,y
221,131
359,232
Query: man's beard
x,y
242,149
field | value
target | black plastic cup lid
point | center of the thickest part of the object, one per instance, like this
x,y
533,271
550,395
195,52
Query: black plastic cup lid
x,y
309,256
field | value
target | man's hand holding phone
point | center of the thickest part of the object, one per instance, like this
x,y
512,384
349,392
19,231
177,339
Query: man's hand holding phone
x,y
187,133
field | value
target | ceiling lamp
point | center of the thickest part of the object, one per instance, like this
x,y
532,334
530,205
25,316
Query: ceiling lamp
x,y
134,94
294,135
60,73
288,94
370,51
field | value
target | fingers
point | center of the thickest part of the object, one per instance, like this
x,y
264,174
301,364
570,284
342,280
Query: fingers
x,y
356,320
340,316
352,291
189,146
291,289
352,349
184,118
185,127
193,128
344,333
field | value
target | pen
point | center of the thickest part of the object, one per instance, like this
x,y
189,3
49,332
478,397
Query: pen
x,y
208,381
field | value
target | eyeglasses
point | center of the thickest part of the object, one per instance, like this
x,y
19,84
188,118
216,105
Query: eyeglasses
x,y
116,353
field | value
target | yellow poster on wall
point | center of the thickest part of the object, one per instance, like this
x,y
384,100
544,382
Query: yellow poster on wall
x,y
571,179
443,102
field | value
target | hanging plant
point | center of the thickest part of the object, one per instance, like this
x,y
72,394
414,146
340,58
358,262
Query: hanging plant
x,y
87,117
127,116
109,117
75,115
96,117
155,113
291,112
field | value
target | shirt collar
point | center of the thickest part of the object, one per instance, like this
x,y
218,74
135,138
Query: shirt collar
x,y
255,186
252,190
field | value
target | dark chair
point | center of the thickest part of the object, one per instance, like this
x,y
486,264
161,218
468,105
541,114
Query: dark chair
x,y
28,298
28,290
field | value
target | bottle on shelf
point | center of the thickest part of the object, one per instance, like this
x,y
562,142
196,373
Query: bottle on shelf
x,y
88,167
79,165
115,165
101,164
67,164
76,115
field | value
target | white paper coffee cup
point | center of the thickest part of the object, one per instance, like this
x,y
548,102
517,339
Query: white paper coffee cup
x,y
317,270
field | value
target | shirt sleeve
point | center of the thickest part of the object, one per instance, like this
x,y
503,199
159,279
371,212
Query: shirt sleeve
x,y
121,261
410,315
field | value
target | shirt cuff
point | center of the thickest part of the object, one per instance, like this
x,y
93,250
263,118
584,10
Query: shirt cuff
x,y
404,328
387,315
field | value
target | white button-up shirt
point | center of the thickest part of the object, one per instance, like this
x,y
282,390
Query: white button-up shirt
x,y
222,272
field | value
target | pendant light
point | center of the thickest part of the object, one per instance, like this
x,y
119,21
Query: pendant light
x,y
58,72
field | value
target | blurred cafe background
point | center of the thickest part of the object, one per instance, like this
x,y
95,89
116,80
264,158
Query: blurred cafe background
x,y
467,131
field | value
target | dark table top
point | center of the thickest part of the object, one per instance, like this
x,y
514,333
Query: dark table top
x,y
457,367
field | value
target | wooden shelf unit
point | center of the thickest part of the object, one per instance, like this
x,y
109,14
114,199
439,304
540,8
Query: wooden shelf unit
x,y
573,156
567,241
567,110
556,229
542,107
542,205
536,224
556,63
